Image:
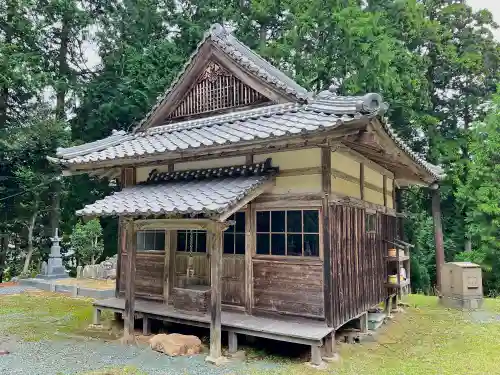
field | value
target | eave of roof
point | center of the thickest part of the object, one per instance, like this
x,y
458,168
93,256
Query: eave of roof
x,y
206,197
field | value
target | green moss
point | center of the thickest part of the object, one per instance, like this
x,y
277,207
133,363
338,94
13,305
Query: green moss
x,y
34,317
426,339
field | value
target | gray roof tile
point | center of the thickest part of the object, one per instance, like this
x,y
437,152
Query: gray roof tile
x,y
263,123
208,197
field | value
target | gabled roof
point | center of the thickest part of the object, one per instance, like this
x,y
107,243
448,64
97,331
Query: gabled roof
x,y
244,57
277,121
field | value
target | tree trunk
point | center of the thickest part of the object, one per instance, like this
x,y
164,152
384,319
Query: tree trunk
x,y
4,244
61,91
31,227
4,90
263,36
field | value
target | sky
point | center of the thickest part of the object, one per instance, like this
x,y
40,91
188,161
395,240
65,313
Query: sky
x,y
493,6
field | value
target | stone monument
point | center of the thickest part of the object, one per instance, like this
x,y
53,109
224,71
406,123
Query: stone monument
x,y
54,268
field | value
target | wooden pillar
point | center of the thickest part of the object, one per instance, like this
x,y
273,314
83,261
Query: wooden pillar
x,y
362,181
129,312
119,251
249,250
363,323
215,233
166,267
232,342
438,233
326,182
127,178
96,319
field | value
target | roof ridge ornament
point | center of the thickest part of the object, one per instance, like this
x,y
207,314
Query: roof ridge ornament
x,y
334,87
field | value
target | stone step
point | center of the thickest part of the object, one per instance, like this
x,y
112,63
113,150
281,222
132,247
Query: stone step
x,y
376,317
375,320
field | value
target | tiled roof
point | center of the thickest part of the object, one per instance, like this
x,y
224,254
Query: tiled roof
x,y
243,56
434,170
208,197
274,121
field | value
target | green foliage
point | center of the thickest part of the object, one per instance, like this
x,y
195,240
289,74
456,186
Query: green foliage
x,y
86,242
481,193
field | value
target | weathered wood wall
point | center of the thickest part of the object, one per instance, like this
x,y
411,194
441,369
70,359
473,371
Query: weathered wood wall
x,y
358,264
149,274
200,265
233,274
233,280
289,286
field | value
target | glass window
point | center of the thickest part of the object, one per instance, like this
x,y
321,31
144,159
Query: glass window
x,y
151,240
288,233
234,236
192,240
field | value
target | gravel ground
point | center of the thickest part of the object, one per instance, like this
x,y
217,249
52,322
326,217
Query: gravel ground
x,y
15,289
74,357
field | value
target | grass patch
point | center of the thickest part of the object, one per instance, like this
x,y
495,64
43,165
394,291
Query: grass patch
x,y
44,316
426,339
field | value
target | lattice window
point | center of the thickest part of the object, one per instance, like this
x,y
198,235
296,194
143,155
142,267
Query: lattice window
x,y
216,90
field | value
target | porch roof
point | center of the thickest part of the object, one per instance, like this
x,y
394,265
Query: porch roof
x,y
208,197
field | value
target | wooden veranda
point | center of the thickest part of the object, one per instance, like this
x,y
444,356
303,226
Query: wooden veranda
x,y
295,330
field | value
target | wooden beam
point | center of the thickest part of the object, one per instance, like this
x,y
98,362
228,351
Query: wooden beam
x,y
326,182
172,224
216,234
356,202
384,189
129,312
362,181
438,233
249,251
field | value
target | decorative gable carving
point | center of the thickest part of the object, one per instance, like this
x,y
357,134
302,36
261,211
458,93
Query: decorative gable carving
x,y
215,90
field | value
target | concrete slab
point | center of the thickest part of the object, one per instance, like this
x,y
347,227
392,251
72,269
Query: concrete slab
x,y
51,285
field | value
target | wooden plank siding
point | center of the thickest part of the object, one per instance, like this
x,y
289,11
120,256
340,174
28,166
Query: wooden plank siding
x,y
358,262
233,280
149,274
290,287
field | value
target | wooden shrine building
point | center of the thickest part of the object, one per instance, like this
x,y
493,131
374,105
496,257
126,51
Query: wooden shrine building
x,y
250,205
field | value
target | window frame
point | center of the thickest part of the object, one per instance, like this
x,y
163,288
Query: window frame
x,y
300,258
156,231
234,232
196,232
